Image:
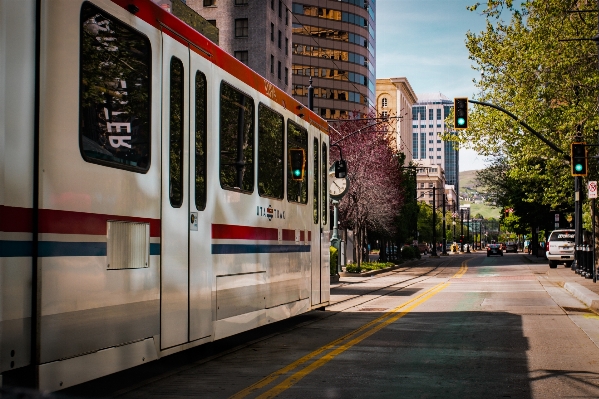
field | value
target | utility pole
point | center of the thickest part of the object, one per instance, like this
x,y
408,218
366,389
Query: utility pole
x,y
434,251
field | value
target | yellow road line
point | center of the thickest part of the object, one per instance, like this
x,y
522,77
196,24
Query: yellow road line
x,y
382,321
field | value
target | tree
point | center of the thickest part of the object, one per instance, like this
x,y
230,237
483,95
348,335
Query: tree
x,y
551,84
375,178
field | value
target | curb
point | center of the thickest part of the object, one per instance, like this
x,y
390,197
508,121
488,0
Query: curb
x,y
583,294
374,272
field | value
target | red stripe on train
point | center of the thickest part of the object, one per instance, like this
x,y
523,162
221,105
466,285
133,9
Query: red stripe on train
x,y
20,220
232,232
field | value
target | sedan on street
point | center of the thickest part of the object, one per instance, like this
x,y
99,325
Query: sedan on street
x,y
494,249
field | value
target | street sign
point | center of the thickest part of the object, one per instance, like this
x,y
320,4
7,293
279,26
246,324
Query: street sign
x,y
592,189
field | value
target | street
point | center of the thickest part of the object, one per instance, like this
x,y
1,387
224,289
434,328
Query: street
x,y
458,326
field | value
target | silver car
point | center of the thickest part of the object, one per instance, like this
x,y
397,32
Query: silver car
x,y
561,247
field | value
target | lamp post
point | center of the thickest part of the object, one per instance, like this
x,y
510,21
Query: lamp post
x,y
434,251
453,247
468,249
444,250
462,230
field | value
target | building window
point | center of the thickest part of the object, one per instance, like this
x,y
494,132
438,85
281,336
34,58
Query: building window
x,y
241,2
439,141
286,17
241,27
430,114
286,46
438,156
279,39
242,56
439,113
211,22
430,149
438,125
272,32
272,63
279,70
286,76
280,9
384,102
384,114
272,4
430,133
209,3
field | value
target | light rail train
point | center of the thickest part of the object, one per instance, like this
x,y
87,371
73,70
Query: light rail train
x,y
147,203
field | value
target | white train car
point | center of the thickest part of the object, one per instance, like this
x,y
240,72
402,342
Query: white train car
x,y
147,204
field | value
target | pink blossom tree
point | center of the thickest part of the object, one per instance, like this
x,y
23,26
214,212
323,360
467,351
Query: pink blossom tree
x,y
375,175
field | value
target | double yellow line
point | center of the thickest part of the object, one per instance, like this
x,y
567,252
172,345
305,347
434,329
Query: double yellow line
x,y
340,345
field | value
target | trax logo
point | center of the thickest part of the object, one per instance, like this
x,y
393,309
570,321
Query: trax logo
x,y
270,213
565,235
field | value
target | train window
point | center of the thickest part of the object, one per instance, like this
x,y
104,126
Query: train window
x,y
316,179
271,167
236,139
114,100
325,189
200,141
176,133
297,137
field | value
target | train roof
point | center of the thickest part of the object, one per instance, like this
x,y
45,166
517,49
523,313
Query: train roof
x,y
183,33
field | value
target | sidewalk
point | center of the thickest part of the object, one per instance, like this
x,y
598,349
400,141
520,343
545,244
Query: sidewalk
x,y
582,288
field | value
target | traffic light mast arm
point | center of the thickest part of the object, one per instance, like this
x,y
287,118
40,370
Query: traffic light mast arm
x,y
526,126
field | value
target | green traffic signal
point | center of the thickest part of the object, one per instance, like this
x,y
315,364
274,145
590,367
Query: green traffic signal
x,y
461,121
297,162
578,159
460,113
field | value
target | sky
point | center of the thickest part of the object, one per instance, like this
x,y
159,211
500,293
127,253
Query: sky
x,y
424,41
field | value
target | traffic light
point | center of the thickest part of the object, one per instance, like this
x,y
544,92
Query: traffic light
x,y
297,160
340,168
460,113
578,159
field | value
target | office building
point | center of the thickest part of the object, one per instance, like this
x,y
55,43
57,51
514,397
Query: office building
x,y
334,43
256,32
428,130
394,99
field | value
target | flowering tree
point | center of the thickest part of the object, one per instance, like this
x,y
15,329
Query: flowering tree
x,y
375,196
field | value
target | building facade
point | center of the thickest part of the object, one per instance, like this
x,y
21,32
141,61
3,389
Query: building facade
x,y
428,129
256,32
394,99
334,43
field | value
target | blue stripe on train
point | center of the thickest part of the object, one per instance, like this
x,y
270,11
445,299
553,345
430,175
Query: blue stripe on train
x,y
220,249
12,249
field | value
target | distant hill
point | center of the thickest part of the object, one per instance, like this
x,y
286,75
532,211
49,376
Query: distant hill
x,y
471,193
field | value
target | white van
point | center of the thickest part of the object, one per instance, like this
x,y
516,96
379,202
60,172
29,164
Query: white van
x,y
561,247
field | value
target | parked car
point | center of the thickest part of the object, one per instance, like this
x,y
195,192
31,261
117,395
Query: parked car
x,y
511,247
503,246
560,247
494,249
423,248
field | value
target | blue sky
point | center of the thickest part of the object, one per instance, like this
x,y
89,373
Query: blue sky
x,y
424,40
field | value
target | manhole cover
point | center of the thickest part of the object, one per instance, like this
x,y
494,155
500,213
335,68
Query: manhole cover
x,y
373,309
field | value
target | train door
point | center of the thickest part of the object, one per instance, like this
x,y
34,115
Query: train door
x,y
175,207
200,268
325,269
317,209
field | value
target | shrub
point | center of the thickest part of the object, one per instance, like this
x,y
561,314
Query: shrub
x,y
353,268
408,252
333,253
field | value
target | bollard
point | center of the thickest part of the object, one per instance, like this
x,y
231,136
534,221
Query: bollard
x,y
579,261
589,262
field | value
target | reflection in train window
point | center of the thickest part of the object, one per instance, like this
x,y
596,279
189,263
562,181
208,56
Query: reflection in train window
x,y
114,100
297,137
236,139
176,133
200,141
271,169
316,178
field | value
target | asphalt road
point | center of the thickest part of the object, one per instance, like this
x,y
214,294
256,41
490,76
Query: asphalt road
x,y
463,326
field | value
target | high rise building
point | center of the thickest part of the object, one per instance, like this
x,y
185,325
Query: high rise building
x,y
428,128
256,32
334,43
395,98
